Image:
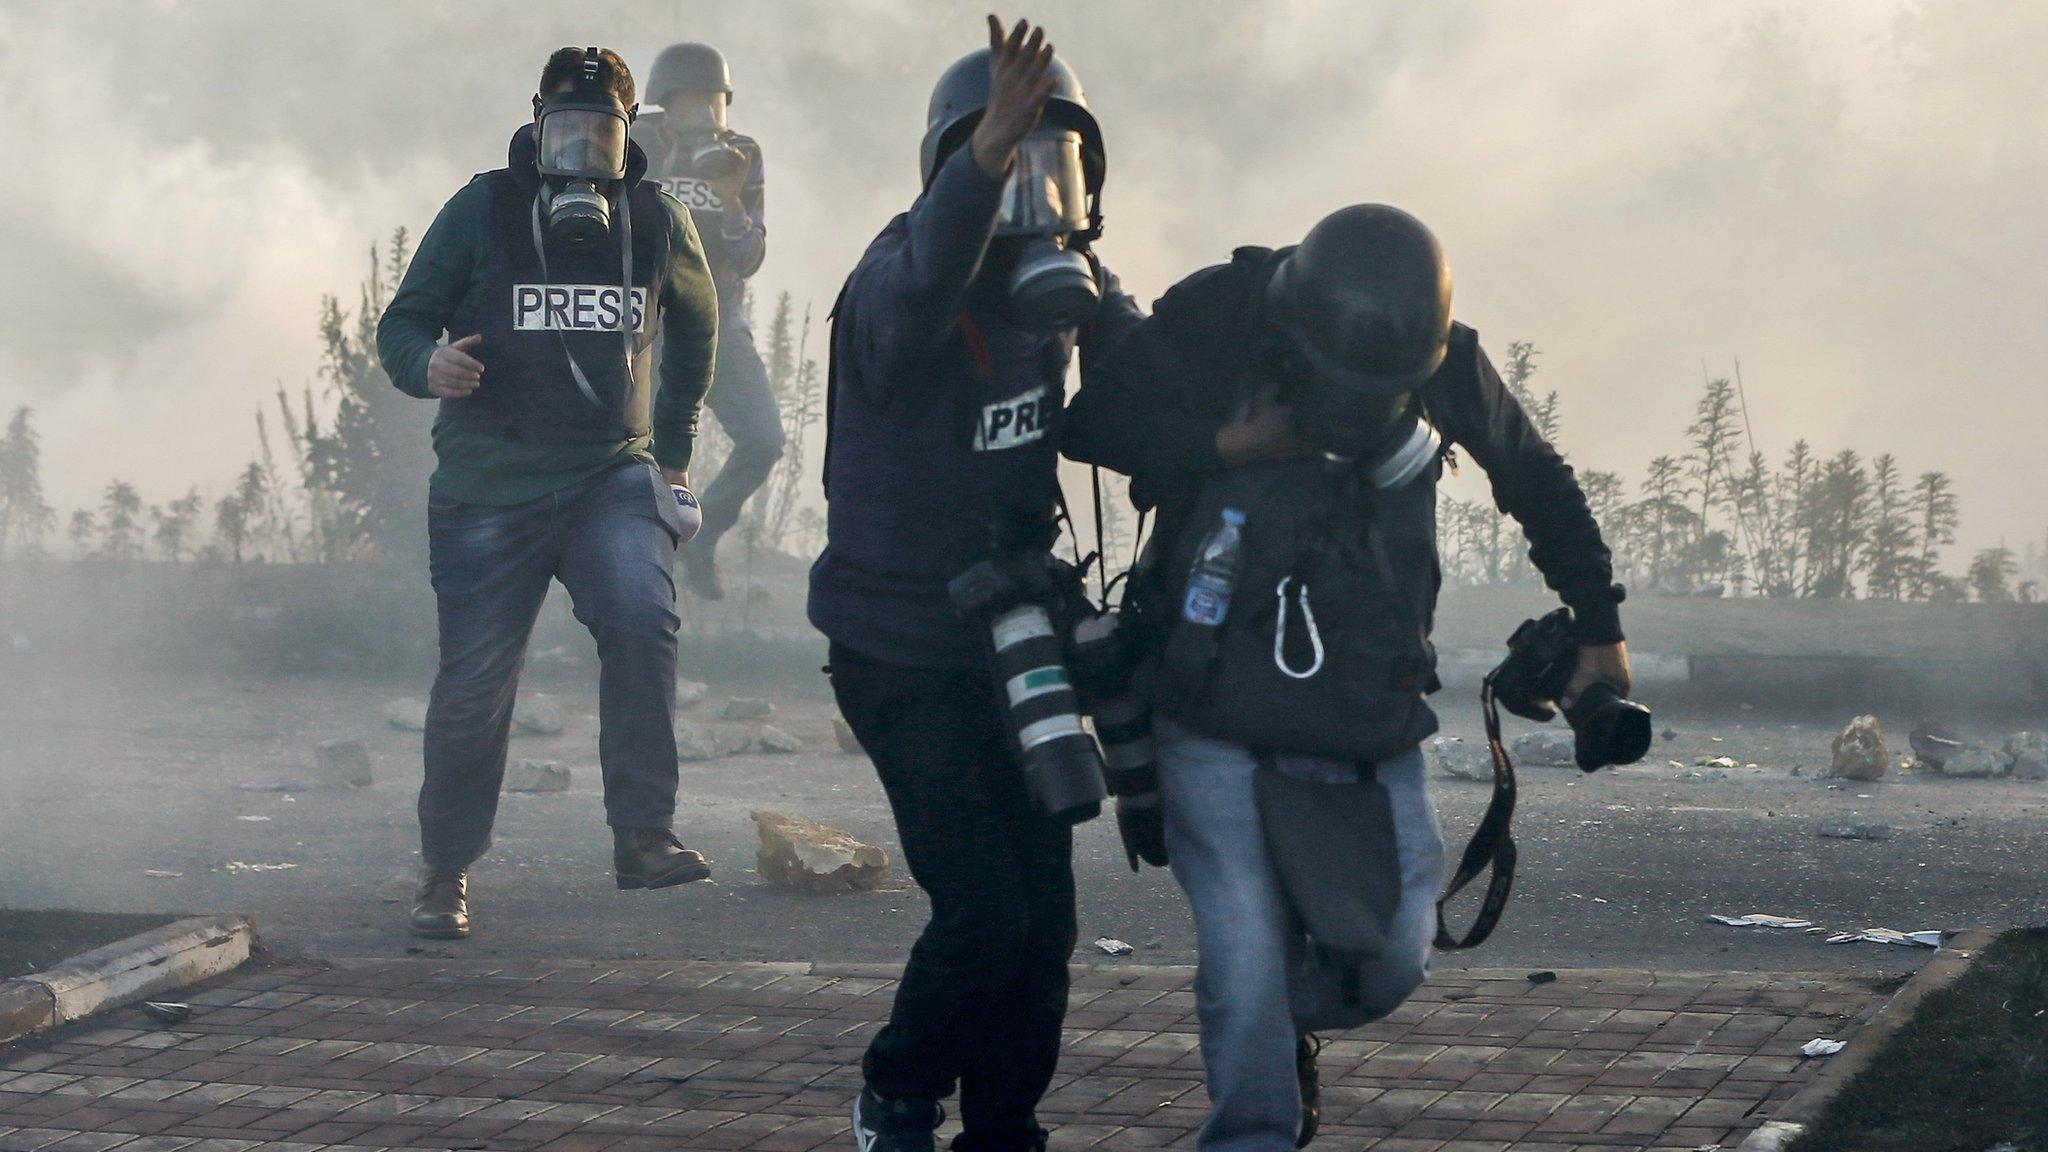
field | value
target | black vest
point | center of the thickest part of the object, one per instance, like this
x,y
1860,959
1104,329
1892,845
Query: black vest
x,y
533,322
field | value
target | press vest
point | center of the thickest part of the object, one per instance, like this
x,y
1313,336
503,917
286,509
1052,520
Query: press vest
x,y
534,319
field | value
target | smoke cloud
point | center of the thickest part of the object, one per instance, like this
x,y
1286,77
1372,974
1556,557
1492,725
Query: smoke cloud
x,y
1841,193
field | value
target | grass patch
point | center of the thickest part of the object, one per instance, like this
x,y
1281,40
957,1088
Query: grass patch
x,y
1968,1073
35,941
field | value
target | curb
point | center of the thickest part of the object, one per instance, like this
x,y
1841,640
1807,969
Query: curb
x,y
173,956
1957,953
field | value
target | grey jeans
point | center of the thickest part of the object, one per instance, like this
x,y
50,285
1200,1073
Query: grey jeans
x,y
1258,985
611,540
744,402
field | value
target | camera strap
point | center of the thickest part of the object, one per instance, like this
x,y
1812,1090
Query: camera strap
x,y
1492,848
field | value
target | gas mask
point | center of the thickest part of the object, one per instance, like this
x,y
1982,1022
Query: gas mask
x,y
696,122
582,147
1385,435
1044,211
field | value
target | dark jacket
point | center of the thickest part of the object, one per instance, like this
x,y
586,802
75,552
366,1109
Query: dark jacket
x,y
944,422
731,216
1152,411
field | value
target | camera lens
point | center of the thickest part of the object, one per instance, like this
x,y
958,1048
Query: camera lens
x,y
1609,729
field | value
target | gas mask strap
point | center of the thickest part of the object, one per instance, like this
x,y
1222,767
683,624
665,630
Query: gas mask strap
x,y
626,326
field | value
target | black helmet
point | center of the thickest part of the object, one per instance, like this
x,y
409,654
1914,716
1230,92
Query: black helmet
x,y
1366,300
690,67
962,94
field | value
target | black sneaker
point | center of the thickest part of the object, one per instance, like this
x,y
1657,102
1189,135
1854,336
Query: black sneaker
x,y
1306,1048
884,1125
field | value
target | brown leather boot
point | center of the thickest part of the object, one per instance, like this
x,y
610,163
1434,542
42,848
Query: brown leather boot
x,y
654,858
442,910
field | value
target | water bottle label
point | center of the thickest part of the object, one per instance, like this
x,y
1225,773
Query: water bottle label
x,y
1205,605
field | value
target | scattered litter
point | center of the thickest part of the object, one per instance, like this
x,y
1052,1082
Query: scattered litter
x,y
241,866
1933,743
1845,830
162,874
1761,920
255,819
1111,946
1717,762
273,786
1822,1047
1928,938
1544,977
167,1011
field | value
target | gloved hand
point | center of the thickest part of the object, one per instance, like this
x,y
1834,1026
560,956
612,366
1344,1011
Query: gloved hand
x,y
1143,831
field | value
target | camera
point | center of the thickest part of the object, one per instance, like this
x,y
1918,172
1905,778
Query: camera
x,y
1024,598
1100,656
714,159
1606,728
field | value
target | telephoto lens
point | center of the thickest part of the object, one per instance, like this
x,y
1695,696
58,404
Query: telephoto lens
x,y
1123,721
1607,729
1062,766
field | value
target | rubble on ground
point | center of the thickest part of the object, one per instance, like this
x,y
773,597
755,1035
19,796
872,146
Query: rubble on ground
x,y
843,733
1933,743
1543,750
1859,751
1850,830
689,692
1457,758
537,714
2027,755
809,857
1974,762
406,715
747,708
773,739
537,776
343,763
711,741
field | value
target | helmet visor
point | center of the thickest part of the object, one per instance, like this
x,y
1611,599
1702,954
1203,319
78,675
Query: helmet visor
x,y
582,141
1047,193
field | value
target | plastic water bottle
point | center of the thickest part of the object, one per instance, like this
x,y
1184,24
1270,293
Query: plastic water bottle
x,y
1215,574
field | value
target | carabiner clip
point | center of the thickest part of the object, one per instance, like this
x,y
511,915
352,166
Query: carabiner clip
x,y
1308,617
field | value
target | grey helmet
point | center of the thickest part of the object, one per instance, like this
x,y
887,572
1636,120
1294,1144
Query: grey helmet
x,y
961,95
689,67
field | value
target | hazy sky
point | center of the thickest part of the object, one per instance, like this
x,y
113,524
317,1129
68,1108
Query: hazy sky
x,y
1846,195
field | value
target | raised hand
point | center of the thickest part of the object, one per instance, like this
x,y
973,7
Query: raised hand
x,y
1020,81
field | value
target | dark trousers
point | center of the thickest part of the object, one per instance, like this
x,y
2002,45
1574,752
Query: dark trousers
x,y
744,402
985,990
611,541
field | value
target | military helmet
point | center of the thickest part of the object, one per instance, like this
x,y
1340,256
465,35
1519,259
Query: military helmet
x,y
1366,300
689,67
961,95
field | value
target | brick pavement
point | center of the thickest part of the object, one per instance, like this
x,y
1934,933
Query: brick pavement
x,y
646,1056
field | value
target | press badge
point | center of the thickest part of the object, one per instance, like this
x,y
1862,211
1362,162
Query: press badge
x,y
1010,423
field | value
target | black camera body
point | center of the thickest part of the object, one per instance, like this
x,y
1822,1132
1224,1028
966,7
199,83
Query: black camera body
x,y
1542,654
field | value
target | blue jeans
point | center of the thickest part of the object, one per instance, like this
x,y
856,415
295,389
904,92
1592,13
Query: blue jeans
x,y
611,540
1257,985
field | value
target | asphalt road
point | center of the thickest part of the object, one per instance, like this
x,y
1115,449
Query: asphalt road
x,y
118,792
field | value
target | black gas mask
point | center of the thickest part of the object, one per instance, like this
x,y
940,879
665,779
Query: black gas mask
x,y
581,134
1357,318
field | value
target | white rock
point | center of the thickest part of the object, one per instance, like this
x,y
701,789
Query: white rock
x,y
537,776
688,692
773,739
1456,758
843,733
1544,750
343,763
810,857
696,740
406,715
747,708
2028,754
1974,762
1859,751
537,714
